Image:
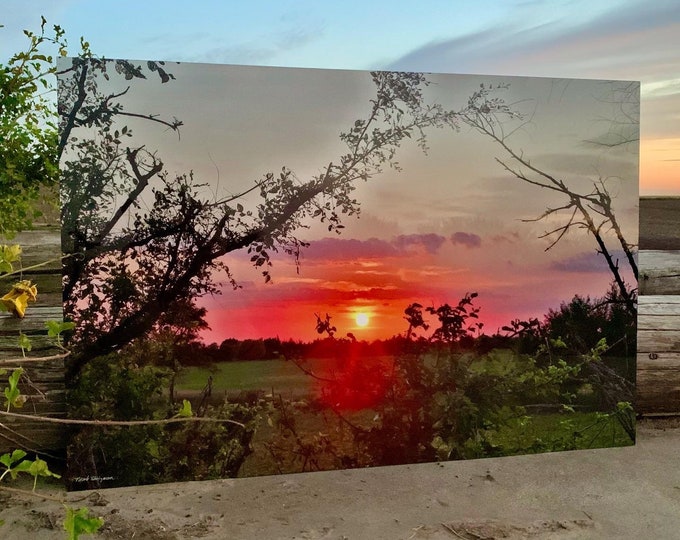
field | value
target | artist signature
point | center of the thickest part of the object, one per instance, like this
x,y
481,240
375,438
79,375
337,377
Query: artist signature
x,y
81,479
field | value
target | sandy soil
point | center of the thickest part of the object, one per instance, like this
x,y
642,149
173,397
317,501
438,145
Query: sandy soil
x,y
621,493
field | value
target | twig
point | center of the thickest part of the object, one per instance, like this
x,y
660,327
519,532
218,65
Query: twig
x,y
38,265
25,492
453,531
34,359
67,421
42,495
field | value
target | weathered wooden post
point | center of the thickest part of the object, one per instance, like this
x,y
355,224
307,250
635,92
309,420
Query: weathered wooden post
x,y
658,349
43,382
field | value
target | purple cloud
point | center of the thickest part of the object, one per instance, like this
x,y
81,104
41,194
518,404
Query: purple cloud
x,y
469,240
349,248
431,242
585,262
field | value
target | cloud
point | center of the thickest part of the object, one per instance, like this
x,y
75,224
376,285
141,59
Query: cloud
x,y
352,249
349,248
430,242
469,240
261,50
509,238
613,43
585,263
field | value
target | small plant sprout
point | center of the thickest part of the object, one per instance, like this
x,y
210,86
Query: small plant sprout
x,y
79,522
55,329
25,344
13,396
185,411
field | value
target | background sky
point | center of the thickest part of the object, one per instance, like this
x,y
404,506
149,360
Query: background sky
x,y
602,39
409,238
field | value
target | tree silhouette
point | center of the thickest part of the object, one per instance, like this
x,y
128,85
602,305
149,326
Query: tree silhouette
x,y
590,210
138,239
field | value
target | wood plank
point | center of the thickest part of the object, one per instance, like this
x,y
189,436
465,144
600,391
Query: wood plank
x,y
658,390
658,360
658,285
657,341
659,272
32,323
650,300
659,322
652,260
659,223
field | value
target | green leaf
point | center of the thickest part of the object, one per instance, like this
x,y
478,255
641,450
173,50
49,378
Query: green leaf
x,y
25,342
39,468
24,466
185,411
12,393
8,459
79,522
55,328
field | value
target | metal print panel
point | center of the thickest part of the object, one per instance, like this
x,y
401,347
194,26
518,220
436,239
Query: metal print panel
x,y
279,270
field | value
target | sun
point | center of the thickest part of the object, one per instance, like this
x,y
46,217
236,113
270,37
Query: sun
x,y
362,319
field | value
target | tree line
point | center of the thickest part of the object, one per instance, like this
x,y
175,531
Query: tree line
x,y
580,323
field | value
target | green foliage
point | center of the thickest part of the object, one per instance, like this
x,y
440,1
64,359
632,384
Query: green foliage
x,y
9,254
28,177
13,395
185,410
28,154
76,522
116,387
583,322
120,387
9,461
55,329
79,522
25,343
445,399
207,450
550,433
15,464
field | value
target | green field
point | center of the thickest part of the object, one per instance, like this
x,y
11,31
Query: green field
x,y
520,435
267,375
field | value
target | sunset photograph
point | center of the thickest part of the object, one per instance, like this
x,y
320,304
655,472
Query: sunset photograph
x,y
347,268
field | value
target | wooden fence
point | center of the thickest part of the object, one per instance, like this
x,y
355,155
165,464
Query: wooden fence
x,y
658,354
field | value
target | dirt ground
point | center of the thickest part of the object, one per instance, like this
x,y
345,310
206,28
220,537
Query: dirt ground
x,y
620,493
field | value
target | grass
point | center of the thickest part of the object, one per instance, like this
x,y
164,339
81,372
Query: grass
x,y
279,376
547,432
243,376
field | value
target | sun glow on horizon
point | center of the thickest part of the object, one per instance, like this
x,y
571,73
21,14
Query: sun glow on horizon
x,y
362,319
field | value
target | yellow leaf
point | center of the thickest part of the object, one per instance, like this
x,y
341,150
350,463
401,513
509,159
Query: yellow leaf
x,y
16,300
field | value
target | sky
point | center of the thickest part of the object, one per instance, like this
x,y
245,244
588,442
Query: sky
x,y
448,223
411,243
600,39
